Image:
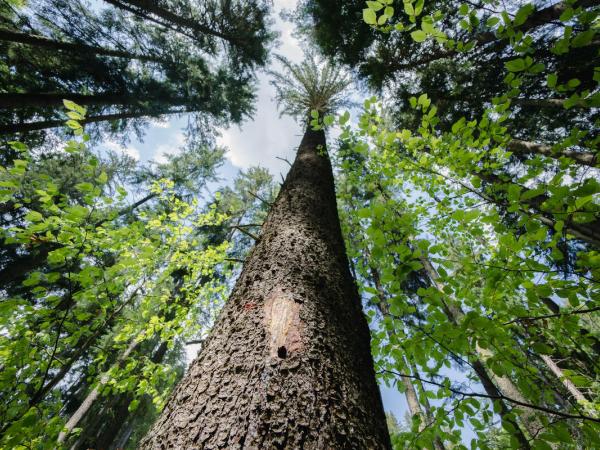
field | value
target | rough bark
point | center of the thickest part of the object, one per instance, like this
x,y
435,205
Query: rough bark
x,y
9,35
288,363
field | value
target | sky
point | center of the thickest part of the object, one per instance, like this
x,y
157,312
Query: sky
x,y
258,141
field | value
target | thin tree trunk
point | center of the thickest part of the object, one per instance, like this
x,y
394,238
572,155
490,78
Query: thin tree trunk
x,y
25,127
544,103
494,385
438,444
6,34
50,99
568,384
288,363
412,399
538,18
38,396
94,394
520,147
589,231
149,6
414,407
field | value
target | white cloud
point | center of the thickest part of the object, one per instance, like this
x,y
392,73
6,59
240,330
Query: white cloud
x,y
128,150
173,147
264,138
267,136
158,123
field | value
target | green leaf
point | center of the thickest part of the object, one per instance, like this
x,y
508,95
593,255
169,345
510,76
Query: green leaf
x,y
344,118
492,21
418,35
375,6
74,107
369,16
516,65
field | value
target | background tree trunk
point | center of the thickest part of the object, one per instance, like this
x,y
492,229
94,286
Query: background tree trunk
x,y
288,363
9,35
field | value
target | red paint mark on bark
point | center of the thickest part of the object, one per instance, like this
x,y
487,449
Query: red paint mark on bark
x,y
248,306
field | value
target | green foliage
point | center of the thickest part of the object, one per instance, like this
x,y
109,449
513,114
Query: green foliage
x,y
310,87
100,286
470,245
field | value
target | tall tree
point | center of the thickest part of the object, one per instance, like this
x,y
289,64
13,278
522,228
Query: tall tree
x,y
288,363
126,66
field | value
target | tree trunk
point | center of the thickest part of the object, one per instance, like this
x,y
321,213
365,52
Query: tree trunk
x,y
412,399
438,444
288,363
80,49
94,394
538,18
149,6
50,99
520,147
568,384
589,231
25,127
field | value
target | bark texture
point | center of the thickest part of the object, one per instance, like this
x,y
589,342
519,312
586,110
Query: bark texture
x,y
288,363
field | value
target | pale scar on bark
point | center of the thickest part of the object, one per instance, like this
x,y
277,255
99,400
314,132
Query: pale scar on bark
x,y
283,324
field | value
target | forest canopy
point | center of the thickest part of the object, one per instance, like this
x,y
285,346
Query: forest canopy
x,y
437,236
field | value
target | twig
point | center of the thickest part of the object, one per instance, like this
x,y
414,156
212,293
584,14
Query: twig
x,y
284,160
549,316
258,198
246,232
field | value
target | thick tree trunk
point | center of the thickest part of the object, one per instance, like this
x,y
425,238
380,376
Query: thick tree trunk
x,y
288,363
9,35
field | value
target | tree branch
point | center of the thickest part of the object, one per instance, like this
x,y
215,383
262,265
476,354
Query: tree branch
x,y
499,397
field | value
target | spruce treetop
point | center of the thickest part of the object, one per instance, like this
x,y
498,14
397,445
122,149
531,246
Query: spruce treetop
x,y
309,85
